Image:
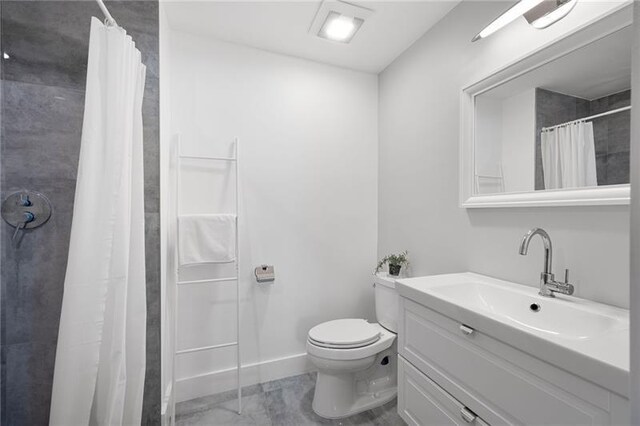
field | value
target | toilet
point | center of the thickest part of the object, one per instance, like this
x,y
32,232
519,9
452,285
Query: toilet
x,y
356,359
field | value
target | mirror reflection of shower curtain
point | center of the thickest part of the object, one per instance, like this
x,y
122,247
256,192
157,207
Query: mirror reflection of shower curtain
x,y
100,358
568,156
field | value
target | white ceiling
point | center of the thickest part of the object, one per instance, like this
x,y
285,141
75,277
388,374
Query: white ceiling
x,y
599,69
283,27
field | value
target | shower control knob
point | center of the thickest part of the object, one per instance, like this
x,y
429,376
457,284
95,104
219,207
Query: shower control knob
x,y
24,199
25,210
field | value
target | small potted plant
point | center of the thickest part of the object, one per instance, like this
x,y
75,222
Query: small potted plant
x,y
395,262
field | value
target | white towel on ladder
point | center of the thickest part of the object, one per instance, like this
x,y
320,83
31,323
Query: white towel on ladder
x,y
206,238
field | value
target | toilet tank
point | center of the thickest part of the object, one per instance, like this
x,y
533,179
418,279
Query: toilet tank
x,y
387,301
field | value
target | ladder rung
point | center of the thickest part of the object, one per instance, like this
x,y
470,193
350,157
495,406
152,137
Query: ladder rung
x,y
211,280
208,373
195,157
206,348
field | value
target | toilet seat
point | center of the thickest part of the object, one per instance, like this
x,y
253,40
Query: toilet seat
x,y
385,340
347,333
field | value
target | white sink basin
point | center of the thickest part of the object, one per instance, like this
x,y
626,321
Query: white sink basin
x,y
539,314
587,338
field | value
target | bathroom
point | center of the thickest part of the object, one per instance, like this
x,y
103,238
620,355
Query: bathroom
x,y
307,160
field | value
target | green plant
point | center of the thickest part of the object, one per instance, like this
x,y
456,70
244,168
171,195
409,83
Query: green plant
x,y
394,259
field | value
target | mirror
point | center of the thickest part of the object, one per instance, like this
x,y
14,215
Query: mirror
x,y
558,126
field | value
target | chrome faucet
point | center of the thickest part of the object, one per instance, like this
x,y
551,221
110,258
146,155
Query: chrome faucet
x,y
548,283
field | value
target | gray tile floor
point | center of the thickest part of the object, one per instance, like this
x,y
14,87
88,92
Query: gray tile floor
x,y
285,402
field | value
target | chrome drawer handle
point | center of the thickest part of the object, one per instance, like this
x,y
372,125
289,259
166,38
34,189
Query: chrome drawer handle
x,y
467,415
466,330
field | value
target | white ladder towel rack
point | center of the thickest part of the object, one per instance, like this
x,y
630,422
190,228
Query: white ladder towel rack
x,y
178,164
497,180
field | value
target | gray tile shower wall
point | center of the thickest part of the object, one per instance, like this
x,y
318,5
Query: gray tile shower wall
x,y
554,108
612,136
611,133
43,83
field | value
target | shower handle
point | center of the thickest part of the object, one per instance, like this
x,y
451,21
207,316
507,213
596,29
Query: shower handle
x,y
25,210
28,217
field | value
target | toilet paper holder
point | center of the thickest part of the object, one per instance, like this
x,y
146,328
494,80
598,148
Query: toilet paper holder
x,y
265,273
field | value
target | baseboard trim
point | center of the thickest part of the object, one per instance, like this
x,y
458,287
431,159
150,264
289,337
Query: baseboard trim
x,y
224,380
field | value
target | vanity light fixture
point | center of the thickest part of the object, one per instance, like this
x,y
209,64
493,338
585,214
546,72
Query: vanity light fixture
x,y
338,21
548,13
513,13
538,13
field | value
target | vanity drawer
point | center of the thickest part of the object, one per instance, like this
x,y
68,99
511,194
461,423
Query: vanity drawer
x,y
492,386
422,402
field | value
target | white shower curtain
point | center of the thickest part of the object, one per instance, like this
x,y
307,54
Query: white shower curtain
x,y
568,156
100,359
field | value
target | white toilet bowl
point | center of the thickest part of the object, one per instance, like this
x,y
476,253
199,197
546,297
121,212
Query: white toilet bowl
x,y
357,360
356,363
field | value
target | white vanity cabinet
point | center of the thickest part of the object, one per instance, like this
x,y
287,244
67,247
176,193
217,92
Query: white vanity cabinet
x,y
450,373
422,402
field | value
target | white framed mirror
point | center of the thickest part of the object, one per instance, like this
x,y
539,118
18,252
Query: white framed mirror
x,y
553,129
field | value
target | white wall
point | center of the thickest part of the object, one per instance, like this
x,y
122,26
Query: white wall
x,y
418,179
519,141
309,162
635,224
505,142
488,136
167,280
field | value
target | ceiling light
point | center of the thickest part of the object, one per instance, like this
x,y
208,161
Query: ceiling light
x,y
339,27
549,13
338,21
517,10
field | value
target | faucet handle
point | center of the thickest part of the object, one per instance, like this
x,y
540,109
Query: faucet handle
x,y
566,276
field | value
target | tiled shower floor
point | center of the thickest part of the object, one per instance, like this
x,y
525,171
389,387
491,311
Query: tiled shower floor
x,y
285,402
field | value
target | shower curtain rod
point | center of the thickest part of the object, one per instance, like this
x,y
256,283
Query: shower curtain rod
x,y
613,111
106,13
